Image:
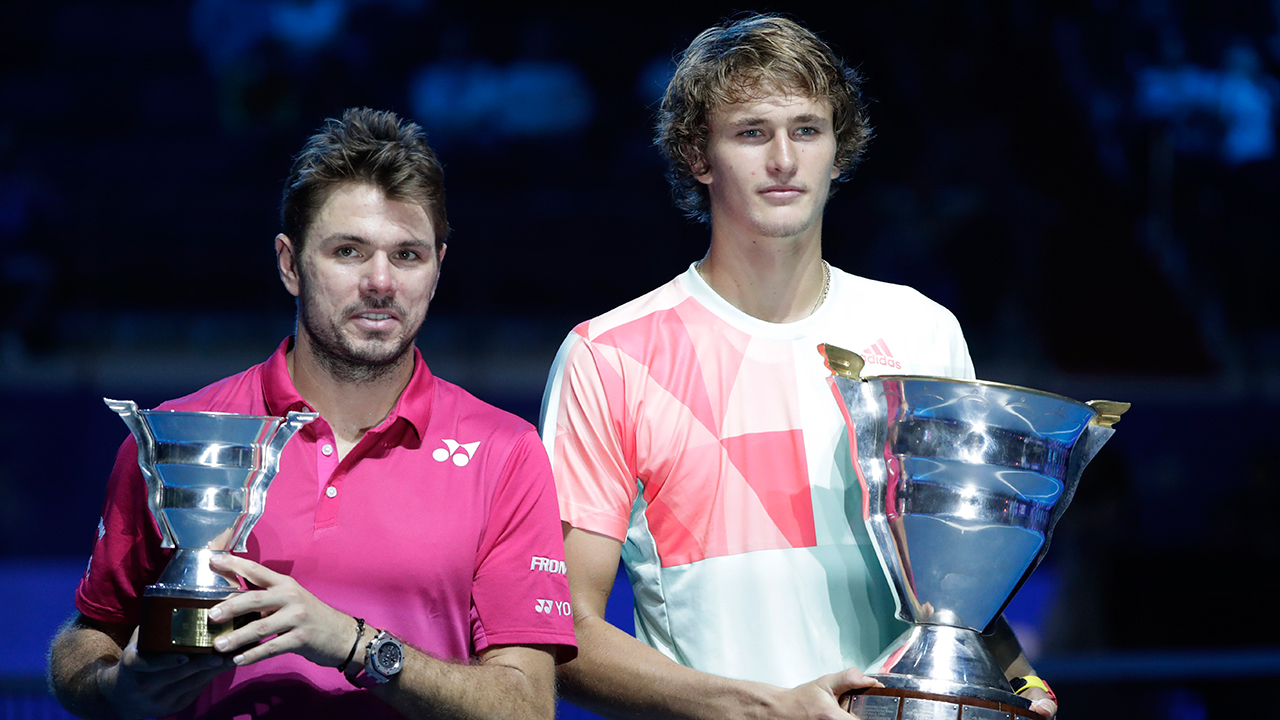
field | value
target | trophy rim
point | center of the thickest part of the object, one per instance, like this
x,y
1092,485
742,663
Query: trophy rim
x,y
210,413
982,383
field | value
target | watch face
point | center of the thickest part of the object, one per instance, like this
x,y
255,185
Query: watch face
x,y
388,656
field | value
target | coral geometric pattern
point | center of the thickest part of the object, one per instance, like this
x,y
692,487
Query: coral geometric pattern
x,y
731,491
707,443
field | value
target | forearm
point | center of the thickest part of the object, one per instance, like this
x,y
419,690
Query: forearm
x,y
1006,649
1004,645
617,676
431,688
78,658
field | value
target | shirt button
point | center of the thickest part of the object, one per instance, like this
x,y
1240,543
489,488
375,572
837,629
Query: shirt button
x,y
331,491
327,449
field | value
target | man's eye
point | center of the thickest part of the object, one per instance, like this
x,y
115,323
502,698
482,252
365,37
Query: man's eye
x,y
406,255
806,131
345,252
751,133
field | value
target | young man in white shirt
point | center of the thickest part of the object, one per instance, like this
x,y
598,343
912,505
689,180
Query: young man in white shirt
x,y
692,432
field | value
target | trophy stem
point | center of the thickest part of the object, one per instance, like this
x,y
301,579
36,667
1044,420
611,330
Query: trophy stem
x,y
944,660
190,575
175,611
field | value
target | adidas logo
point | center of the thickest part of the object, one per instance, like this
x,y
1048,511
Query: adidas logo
x,y
878,354
460,453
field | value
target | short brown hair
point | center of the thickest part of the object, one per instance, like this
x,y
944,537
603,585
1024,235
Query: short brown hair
x,y
736,61
364,146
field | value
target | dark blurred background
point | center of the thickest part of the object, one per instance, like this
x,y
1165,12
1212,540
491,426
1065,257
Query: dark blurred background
x,y
1089,186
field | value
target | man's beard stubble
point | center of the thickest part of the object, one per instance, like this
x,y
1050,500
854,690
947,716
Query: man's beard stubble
x,y
336,355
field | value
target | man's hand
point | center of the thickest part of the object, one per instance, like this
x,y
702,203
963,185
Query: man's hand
x,y
300,622
1041,703
157,684
820,699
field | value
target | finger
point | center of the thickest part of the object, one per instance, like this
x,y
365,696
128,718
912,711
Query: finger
x,y
261,601
286,619
846,680
133,661
247,569
1045,707
255,632
278,645
160,680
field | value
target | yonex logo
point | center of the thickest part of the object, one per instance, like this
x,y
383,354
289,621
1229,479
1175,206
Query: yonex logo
x,y
548,606
878,354
460,453
547,565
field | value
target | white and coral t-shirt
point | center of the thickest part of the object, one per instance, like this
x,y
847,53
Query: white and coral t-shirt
x,y
710,444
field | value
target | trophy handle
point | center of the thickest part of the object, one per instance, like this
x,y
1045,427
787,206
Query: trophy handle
x,y
842,363
128,411
861,410
270,465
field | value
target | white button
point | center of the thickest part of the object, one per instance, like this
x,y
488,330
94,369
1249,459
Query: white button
x,y
327,449
331,491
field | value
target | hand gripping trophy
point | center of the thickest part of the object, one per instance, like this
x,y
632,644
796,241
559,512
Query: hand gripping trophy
x,y
962,484
207,475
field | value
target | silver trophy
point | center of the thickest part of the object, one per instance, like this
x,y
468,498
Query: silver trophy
x,y
962,482
207,475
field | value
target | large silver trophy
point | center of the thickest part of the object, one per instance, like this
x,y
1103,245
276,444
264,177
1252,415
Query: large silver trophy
x,y
207,475
962,482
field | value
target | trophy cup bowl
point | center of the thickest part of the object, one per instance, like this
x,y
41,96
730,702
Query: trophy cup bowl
x,y
962,484
207,475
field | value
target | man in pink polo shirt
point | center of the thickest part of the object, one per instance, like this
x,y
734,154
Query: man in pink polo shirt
x,y
409,519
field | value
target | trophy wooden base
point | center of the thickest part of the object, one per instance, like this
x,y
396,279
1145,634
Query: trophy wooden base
x,y
182,625
903,704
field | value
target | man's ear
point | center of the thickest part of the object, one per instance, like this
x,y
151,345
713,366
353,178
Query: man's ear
x,y
699,166
439,264
287,263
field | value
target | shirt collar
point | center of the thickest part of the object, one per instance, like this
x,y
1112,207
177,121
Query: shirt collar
x,y
414,404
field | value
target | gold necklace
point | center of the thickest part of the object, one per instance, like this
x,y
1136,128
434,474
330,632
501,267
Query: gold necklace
x,y
826,282
826,285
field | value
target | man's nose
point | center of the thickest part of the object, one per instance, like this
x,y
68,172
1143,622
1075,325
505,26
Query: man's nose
x,y
377,275
782,155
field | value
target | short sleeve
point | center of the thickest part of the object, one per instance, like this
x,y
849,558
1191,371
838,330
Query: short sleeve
x,y
584,427
520,594
127,555
961,363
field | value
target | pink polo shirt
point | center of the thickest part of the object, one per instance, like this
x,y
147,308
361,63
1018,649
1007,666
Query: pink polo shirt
x,y
440,526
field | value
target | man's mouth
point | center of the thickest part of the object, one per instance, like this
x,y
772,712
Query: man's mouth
x,y
781,191
375,320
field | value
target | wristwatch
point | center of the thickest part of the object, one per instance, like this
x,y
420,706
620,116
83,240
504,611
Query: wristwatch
x,y
383,659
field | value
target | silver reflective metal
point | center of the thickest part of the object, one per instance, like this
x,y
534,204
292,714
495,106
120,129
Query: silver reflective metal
x,y
207,475
875,707
963,482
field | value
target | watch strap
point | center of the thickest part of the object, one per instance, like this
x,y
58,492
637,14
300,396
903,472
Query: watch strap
x,y
1022,684
369,675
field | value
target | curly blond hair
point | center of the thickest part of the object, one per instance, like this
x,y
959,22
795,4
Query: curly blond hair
x,y
741,60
